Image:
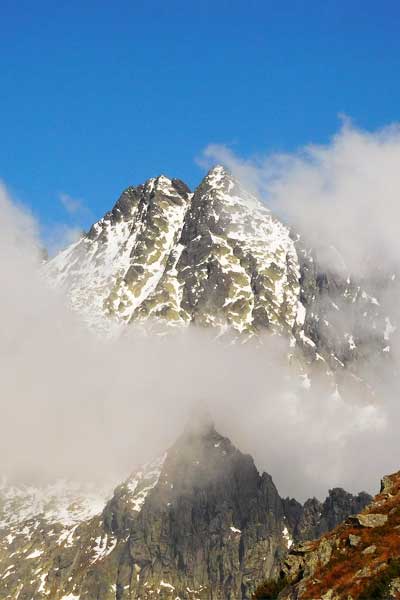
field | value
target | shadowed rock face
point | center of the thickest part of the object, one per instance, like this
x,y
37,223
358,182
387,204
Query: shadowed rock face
x,y
315,518
200,522
212,521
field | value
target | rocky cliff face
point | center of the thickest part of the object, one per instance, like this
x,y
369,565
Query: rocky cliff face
x,y
314,518
359,559
344,318
218,258
112,269
200,522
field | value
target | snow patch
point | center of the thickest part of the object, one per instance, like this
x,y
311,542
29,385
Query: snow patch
x,y
35,554
235,530
143,481
389,329
288,539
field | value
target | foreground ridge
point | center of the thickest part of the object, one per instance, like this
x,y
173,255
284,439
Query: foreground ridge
x,y
359,560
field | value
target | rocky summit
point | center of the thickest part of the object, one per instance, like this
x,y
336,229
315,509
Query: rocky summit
x,y
164,256
215,257
200,522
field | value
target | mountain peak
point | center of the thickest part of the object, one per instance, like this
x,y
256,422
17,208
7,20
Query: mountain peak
x,y
218,170
199,521
216,258
218,176
200,423
163,183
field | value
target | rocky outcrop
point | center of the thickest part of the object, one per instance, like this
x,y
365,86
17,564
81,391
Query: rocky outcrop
x,y
111,270
359,559
218,258
215,258
200,522
213,521
369,520
311,520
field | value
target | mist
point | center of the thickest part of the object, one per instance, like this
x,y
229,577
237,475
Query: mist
x,y
79,406
343,195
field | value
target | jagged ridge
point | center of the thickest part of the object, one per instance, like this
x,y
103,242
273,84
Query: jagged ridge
x,y
358,559
200,522
164,256
215,257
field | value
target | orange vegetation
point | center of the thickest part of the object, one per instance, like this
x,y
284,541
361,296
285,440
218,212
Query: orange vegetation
x,y
350,570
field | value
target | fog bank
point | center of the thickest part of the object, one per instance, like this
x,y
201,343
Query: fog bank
x,y
75,405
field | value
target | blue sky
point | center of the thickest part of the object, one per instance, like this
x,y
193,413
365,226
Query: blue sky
x,y
99,95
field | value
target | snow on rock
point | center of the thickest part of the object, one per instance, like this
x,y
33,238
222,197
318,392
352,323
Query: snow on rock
x,y
66,538
286,536
42,586
164,584
164,255
249,249
389,329
36,522
235,530
350,340
63,502
35,554
236,265
142,482
103,546
112,269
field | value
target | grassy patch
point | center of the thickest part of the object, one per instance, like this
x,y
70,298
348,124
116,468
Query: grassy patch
x,y
378,588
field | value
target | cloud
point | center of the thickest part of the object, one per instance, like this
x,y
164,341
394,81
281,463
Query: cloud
x,y
73,206
76,405
343,198
344,194
60,235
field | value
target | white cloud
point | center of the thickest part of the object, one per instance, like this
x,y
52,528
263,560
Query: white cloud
x,y
61,235
73,206
344,193
72,403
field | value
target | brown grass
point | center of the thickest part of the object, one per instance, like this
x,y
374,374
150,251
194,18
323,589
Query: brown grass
x,y
346,560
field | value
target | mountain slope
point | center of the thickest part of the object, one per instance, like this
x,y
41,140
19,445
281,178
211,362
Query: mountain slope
x,y
360,559
345,318
237,264
216,257
109,271
200,522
